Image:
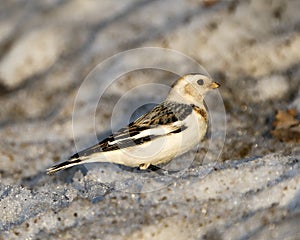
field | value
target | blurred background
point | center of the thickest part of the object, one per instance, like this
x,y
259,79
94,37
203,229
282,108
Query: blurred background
x,y
251,47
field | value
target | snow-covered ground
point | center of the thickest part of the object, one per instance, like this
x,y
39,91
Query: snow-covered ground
x,y
242,182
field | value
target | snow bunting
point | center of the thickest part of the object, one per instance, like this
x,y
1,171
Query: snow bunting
x,y
168,130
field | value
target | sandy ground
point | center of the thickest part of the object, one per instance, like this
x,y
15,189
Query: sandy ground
x,y
70,71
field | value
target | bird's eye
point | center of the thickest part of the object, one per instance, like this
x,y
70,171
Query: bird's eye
x,y
200,82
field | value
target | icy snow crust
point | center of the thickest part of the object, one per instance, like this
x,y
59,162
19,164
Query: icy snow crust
x,y
247,187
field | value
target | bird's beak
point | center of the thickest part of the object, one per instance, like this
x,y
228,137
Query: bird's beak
x,y
214,85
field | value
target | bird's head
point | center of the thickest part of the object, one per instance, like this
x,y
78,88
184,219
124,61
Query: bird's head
x,y
191,88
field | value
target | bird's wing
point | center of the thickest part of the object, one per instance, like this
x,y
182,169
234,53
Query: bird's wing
x,y
163,119
165,113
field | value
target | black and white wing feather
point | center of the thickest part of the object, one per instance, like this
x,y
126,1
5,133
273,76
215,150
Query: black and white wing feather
x,y
165,118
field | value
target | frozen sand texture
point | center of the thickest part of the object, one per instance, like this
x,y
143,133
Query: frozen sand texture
x,y
252,191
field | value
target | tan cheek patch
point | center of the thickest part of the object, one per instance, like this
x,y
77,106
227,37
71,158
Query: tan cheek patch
x,y
188,89
192,92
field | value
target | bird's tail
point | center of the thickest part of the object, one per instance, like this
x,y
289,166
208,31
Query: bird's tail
x,y
71,162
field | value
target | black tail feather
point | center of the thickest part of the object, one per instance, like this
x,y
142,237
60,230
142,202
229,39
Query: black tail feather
x,y
63,165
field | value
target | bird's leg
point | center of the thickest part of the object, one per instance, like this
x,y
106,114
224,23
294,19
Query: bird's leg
x,y
155,168
144,166
158,170
151,167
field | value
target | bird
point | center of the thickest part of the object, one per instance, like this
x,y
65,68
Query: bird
x,y
168,130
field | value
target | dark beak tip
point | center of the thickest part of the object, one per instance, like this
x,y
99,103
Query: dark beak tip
x,y
215,85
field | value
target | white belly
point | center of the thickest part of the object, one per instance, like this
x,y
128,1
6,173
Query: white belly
x,y
161,149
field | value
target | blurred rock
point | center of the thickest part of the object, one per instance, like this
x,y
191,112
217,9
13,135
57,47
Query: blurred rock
x,y
287,127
